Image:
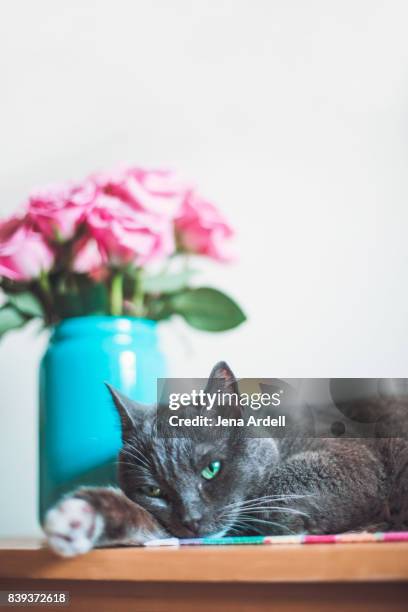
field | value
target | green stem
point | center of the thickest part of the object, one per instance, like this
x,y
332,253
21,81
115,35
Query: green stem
x,y
46,297
117,294
45,284
138,296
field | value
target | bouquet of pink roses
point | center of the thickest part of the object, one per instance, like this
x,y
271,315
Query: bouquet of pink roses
x,y
117,243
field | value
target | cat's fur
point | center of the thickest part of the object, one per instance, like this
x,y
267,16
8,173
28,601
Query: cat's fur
x,y
265,485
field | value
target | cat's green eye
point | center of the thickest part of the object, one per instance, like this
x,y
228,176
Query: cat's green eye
x,y
152,491
211,470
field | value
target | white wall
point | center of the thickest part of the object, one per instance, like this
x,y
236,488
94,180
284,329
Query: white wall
x,y
291,115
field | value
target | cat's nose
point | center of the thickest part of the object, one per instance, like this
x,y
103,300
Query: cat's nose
x,y
193,523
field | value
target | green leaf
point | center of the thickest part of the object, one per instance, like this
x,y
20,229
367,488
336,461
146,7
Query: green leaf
x,y
159,309
207,309
167,283
10,319
26,303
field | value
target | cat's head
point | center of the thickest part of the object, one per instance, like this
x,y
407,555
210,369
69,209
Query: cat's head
x,y
192,484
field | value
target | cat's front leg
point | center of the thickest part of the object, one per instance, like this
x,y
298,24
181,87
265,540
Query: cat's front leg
x,y
93,517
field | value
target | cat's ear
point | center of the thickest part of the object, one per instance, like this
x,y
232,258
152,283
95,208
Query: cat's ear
x,y
222,379
130,412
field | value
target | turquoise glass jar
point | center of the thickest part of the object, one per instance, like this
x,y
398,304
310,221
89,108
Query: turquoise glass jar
x,y
79,427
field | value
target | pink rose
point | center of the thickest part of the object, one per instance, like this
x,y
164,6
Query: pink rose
x,y
88,257
58,211
23,252
125,235
129,216
203,230
157,191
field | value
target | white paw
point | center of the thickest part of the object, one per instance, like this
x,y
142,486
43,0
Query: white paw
x,y
72,527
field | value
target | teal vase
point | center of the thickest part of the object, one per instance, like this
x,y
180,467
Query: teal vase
x,y
79,427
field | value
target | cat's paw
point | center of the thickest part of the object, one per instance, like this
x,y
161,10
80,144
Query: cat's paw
x,y
72,527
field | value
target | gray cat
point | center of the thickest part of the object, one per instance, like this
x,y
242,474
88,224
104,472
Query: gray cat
x,y
233,485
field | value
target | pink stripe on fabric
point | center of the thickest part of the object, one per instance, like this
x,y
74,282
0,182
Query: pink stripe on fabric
x,y
395,536
320,539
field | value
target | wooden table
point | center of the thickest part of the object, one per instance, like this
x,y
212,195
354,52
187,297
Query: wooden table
x,y
358,577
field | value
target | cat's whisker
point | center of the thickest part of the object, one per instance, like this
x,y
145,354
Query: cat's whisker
x,y
260,509
248,528
137,450
134,453
139,463
250,519
127,463
242,517
233,531
279,510
241,529
264,498
288,496
138,456
120,462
